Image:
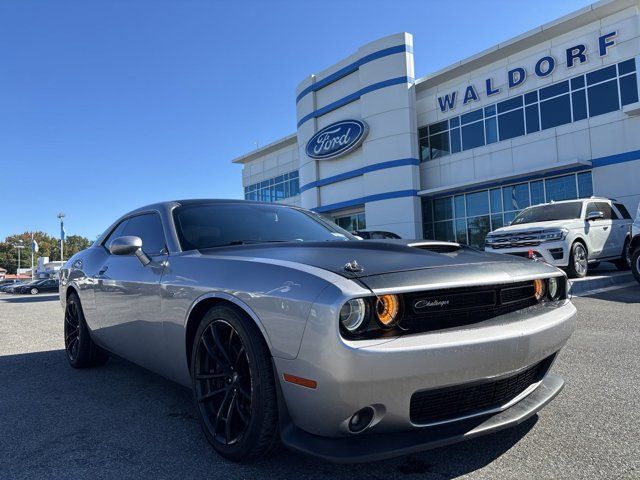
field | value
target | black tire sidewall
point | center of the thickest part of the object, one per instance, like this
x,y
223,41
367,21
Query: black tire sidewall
x,y
634,263
89,354
263,401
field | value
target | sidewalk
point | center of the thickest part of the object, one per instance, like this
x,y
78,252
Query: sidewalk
x,y
606,275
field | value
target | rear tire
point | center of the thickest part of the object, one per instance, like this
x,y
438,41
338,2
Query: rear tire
x,y
578,261
234,386
635,263
34,291
81,351
625,262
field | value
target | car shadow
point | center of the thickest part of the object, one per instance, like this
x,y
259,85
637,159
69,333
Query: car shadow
x,y
27,298
67,423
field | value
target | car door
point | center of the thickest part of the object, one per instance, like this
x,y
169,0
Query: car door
x,y
127,294
597,232
49,286
613,242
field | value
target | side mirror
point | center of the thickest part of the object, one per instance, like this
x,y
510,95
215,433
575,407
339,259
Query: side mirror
x,y
129,245
594,216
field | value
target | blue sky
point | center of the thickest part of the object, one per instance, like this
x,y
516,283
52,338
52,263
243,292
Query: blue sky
x,y
109,105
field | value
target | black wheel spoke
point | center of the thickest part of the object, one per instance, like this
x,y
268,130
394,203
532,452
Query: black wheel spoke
x,y
241,414
72,330
210,350
71,335
222,379
216,339
210,395
227,422
238,357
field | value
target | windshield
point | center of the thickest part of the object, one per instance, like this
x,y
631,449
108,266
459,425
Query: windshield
x,y
549,212
222,224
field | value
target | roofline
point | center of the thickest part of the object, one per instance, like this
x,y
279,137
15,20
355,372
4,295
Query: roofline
x,y
272,147
567,23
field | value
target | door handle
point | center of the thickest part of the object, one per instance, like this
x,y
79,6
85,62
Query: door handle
x,y
103,270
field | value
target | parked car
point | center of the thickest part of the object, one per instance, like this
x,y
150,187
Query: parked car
x,y
634,246
573,234
375,234
8,283
12,286
288,329
39,286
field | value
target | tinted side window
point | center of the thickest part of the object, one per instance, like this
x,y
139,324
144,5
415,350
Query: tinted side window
x,y
623,211
149,228
117,232
609,214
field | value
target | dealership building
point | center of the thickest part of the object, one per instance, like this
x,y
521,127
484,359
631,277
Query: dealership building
x,y
552,114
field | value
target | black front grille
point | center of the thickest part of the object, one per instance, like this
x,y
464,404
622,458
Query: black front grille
x,y
441,309
443,404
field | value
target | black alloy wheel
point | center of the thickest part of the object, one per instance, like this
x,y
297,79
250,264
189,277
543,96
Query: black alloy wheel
x,y
72,331
233,385
81,351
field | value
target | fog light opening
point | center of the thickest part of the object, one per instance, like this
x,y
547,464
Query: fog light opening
x,y
361,419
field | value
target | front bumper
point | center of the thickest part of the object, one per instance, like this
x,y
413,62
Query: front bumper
x,y
366,448
386,374
553,253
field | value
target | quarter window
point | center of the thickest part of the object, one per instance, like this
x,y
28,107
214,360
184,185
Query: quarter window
x,y
623,211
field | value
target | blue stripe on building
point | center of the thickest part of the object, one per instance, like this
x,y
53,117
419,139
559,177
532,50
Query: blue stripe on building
x,y
343,72
354,96
361,171
367,199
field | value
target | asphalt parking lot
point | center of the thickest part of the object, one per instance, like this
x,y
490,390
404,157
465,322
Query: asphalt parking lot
x,y
120,421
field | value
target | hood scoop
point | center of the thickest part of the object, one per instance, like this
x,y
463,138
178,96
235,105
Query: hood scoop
x,y
438,247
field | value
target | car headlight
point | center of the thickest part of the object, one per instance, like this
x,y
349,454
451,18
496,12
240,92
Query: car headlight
x,y
554,234
553,287
539,289
387,309
353,314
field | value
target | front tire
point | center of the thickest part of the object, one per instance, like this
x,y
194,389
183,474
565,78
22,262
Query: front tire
x,y
625,262
635,263
81,351
578,261
34,291
234,386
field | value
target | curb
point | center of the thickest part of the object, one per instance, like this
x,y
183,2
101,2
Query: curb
x,y
584,285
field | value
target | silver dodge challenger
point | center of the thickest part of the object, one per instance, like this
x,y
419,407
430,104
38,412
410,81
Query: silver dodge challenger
x,y
289,330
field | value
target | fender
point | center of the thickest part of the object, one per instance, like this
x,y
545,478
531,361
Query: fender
x,y
237,302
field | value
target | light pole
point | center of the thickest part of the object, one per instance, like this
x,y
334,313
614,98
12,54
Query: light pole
x,y
61,217
18,246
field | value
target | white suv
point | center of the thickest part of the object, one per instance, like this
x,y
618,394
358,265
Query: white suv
x,y
634,247
573,234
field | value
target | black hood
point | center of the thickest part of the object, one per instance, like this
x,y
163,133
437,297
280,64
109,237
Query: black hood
x,y
374,257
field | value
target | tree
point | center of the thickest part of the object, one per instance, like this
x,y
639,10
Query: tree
x,y
48,246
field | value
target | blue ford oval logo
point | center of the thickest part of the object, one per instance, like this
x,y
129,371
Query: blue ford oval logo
x,y
337,139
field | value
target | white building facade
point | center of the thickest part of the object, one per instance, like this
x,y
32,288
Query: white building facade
x,y
553,114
